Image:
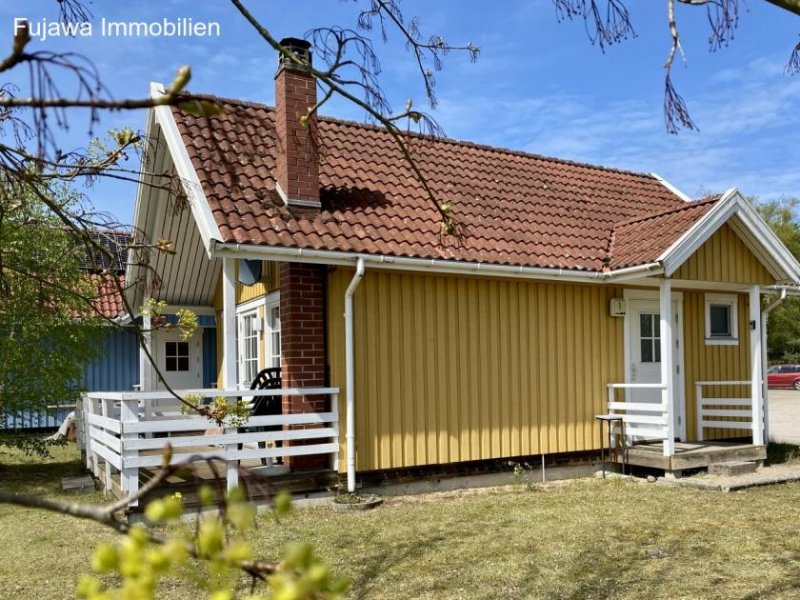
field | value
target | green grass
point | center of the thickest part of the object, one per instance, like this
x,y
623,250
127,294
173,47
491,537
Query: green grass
x,y
584,539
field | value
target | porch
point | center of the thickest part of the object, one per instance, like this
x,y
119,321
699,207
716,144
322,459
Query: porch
x,y
642,434
123,436
689,455
675,416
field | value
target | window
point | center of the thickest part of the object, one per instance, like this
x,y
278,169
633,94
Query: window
x,y
248,347
274,335
176,355
650,337
722,319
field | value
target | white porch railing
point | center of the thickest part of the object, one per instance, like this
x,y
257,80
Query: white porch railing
x,y
738,411
643,420
118,430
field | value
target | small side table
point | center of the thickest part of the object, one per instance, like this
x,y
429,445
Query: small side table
x,y
609,420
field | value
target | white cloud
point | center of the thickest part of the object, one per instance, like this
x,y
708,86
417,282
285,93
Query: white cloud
x,y
746,116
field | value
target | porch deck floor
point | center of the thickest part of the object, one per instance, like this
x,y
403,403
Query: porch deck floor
x,y
689,455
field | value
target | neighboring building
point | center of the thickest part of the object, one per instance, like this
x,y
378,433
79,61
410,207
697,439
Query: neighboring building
x,y
500,341
117,367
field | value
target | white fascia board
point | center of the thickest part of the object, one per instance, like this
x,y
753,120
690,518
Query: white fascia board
x,y
731,203
764,234
198,202
686,245
132,269
672,188
398,263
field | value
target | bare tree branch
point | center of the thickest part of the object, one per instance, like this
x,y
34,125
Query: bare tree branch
x,y
109,514
604,27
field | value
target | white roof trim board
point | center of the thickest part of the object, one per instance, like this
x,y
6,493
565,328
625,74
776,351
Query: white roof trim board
x,y
209,231
748,224
755,233
672,188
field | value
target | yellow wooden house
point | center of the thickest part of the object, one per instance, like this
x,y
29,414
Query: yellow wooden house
x,y
567,291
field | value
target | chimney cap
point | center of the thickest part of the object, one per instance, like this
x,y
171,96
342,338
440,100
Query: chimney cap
x,y
299,47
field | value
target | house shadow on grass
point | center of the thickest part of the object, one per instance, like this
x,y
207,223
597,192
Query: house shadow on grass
x,y
38,476
779,453
388,557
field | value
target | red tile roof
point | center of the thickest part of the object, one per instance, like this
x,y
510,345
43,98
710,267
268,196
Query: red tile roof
x,y
513,208
642,239
108,300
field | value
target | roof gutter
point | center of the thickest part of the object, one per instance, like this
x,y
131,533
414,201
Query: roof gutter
x,y
433,265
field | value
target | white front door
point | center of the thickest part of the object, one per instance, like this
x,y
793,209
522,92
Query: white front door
x,y
180,361
644,353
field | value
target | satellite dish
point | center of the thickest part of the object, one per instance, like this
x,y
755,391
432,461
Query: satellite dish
x,y
249,271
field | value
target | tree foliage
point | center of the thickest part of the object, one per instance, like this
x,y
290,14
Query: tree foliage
x,y
48,331
784,320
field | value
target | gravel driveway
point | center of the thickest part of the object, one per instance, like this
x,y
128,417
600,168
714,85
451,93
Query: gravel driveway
x,y
784,416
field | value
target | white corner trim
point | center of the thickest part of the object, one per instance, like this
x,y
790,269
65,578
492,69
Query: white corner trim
x,y
672,188
183,165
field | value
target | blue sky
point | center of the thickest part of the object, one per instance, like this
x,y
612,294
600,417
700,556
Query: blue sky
x,y
538,86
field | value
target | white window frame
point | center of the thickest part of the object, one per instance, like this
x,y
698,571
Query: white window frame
x,y
271,301
732,302
250,307
243,310
240,319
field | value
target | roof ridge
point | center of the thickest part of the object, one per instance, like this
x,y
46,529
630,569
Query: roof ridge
x,y
445,139
661,213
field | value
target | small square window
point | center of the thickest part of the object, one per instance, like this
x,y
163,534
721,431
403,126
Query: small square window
x,y
721,319
176,356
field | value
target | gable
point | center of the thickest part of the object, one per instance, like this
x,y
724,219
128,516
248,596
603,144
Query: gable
x,y
725,258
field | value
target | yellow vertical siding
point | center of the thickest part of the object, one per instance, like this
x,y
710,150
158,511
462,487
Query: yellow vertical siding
x,y
270,282
724,258
713,363
455,369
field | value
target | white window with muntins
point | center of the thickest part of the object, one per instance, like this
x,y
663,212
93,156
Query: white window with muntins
x,y
273,337
249,330
650,337
176,356
722,317
179,360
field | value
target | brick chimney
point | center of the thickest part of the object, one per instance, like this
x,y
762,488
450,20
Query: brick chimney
x,y
298,160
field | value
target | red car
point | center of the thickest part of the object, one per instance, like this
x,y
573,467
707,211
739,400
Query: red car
x,y
784,376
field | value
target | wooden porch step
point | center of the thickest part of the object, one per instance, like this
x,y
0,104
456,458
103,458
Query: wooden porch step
x,y
732,467
690,455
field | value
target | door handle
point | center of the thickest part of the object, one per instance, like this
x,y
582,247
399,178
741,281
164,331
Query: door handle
x,y
634,371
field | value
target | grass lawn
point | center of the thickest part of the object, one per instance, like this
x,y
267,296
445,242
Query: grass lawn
x,y
583,539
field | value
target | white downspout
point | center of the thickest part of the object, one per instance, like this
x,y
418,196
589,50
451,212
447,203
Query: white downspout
x,y
350,419
764,385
